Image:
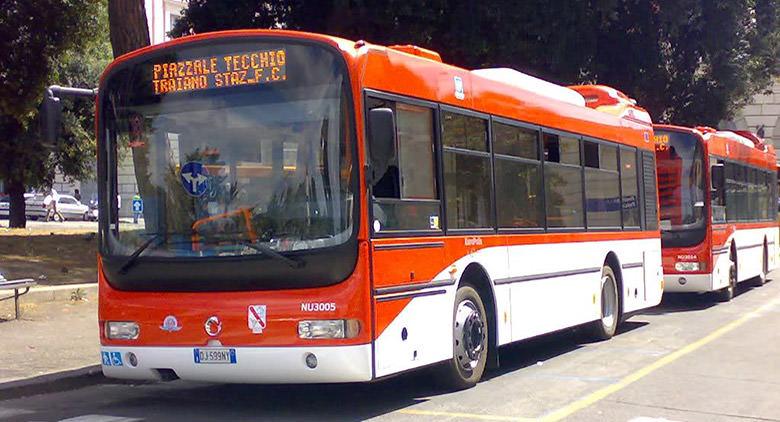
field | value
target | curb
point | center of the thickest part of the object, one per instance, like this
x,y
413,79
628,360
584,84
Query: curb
x,y
54,382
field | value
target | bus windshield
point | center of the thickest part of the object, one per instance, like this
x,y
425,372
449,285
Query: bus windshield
x,y
229,149
681,188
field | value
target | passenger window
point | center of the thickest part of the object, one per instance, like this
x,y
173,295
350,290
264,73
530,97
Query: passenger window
x,y
518,177
464,132
602,185
515,141
467,172
561,149
406,196
629,182
563,182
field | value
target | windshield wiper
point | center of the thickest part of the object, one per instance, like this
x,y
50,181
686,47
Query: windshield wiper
x,y
294,263
133,258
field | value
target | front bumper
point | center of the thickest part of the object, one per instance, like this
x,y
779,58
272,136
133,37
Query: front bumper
x,y
261,365
692,283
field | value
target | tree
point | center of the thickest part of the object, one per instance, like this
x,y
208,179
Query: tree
x,y
127,25
35,36
687,61
129,31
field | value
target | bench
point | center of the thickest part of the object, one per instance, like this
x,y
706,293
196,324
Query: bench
x,y
16,285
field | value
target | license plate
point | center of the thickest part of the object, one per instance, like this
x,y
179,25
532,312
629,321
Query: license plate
x,y
215,355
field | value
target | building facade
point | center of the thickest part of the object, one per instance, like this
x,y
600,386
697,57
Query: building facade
x,y
761,115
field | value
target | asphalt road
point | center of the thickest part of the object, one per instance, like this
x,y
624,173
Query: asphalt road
x,y
691,359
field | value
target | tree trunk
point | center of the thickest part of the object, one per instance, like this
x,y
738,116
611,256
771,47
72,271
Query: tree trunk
x,y
127,26
16,213
129,31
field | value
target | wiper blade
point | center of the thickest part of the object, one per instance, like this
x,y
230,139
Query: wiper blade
x,y
294,263
133,258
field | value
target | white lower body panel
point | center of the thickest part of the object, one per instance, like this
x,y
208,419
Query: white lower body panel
x,y
262,365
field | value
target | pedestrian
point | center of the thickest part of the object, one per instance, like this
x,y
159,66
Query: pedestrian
x,y
50,201
77,195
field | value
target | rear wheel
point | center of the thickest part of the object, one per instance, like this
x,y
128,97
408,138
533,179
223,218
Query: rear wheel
x,y
761,279
470,341
606,326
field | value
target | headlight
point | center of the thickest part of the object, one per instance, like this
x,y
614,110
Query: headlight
x,y
688,266
328,328
122,330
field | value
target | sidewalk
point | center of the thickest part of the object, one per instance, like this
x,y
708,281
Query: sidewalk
x,y
49,337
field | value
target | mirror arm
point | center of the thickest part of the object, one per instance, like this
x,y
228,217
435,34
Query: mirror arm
x,y
56,91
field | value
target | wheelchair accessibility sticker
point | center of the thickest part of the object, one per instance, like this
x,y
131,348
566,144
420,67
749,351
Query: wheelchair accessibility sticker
x,y
112,358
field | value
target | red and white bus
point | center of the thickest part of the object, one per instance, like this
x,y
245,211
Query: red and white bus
x,y
324,210
718,196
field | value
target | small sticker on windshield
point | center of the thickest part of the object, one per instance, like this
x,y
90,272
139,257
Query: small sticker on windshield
x,y
194,178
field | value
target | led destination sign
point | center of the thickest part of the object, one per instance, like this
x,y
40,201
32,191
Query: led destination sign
x,y
220,71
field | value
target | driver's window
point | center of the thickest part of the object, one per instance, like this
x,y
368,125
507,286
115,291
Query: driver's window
x,y
406,196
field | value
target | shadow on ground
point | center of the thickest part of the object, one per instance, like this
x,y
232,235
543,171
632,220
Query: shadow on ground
x,y
693,302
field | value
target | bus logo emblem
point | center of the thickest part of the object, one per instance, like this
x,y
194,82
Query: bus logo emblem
x,y
170,324
213,326
256,318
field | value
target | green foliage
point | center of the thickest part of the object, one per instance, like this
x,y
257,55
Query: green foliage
x,y
687,61
46,42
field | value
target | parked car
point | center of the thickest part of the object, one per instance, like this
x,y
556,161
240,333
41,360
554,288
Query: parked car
x,y
35,209
72,209
5,206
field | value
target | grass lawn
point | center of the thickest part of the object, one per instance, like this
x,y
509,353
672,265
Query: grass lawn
x,y
51,255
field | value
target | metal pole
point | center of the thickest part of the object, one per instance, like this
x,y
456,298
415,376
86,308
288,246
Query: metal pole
x,y
16,303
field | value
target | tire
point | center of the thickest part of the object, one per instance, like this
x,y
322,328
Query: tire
x,y
605,327
761,279
727,293
470,341
86,216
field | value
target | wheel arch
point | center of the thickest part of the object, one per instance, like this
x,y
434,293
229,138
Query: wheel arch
x,y
477,277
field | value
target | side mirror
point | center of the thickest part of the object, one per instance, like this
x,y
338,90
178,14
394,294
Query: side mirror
x,y
381,142
50,117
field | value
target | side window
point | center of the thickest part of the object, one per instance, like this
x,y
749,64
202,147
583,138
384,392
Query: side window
x,y
602,185
518,177
628,183
466,171
717,193
740,177
406,196
563,182
650,191
731,191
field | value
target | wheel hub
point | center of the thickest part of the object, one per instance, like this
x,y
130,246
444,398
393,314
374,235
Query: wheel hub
x,y
469,335
608,301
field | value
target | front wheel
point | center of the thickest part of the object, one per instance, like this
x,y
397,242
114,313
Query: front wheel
x,y
727,293
606,326
470,341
